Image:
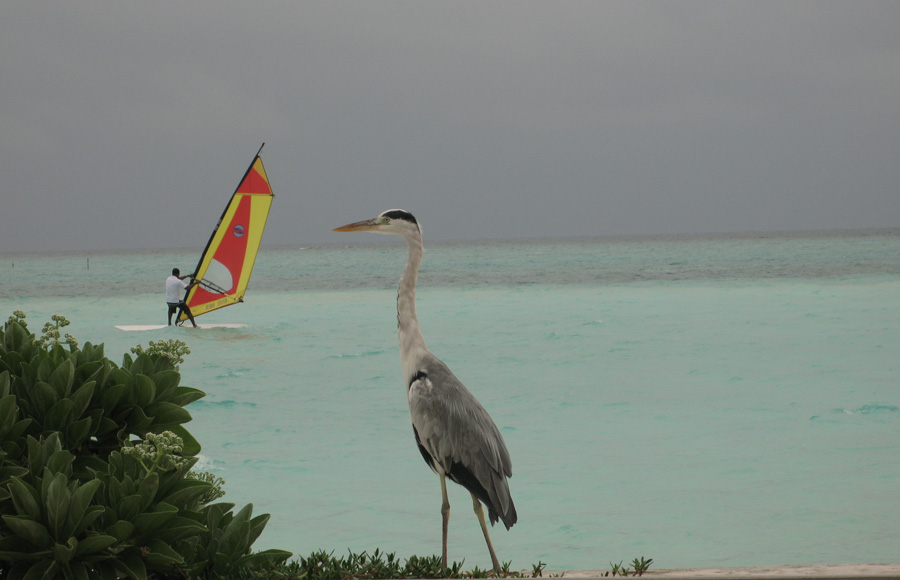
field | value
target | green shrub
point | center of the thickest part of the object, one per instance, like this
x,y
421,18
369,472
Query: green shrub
x,y
95,469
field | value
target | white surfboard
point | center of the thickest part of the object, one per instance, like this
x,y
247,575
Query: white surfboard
x,y
139,327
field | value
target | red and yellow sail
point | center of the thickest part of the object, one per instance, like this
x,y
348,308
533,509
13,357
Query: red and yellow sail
x,y
226,264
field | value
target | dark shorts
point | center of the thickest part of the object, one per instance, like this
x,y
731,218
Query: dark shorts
x,y
173,306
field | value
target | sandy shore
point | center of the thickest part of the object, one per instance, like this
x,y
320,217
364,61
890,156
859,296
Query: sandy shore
x,y
835,572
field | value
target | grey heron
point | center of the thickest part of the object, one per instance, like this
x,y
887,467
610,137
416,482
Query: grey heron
x,y
456,436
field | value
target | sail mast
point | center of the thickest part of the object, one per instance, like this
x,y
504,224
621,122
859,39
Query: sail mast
x,y
225,211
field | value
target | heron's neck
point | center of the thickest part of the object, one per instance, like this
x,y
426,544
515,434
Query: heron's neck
x,y
412,344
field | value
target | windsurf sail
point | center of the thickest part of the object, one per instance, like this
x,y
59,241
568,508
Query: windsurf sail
x,y
227,262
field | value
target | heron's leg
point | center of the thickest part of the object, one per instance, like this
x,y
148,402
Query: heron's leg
x,y
445,515
487,537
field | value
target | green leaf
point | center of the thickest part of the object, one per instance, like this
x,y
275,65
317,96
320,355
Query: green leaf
x,y
29,530
60,462
42,396
236,538
222,563
56,503
8,410
36,457
148,488
142,365
51,444
43,369
257,525
25,498
149,522
106,427
166,382
62,378
131,564
161,554
115,490
275,555
130,507
42,570
16,337
186,492
165,413
19,428
104,570
186,395
144,390
264,559
94,543
14,549
79,571
64,553
215,513
121,530
27,374
88,519
81,499
78,432
180,527
60,415
138,421
82,396
112,397
14,362
10,471
89,370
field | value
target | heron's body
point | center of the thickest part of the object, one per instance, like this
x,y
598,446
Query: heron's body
x,y
456,436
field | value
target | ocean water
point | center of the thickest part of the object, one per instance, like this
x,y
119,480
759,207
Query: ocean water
x,y
702,401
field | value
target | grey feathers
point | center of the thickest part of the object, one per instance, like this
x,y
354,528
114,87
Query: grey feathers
x,y
460,437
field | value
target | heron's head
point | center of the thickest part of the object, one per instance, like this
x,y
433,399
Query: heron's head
x,y
392,221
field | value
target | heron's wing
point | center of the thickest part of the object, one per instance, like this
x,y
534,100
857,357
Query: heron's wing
x,y
460,436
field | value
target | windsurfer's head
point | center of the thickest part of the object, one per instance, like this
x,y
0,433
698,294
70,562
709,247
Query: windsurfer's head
x,y
176,272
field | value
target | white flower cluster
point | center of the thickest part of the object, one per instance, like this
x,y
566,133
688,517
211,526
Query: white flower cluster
x,y
174,350
158,452
51,330
18,317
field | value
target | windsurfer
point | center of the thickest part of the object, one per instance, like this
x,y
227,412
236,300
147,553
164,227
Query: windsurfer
x,y
174,285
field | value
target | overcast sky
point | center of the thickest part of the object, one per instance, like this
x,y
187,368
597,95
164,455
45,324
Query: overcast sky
x,y
127,125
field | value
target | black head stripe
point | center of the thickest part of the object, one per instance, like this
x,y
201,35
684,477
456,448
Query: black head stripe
x,y
399,214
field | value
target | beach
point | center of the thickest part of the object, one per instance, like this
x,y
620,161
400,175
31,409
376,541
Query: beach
x,y
833,572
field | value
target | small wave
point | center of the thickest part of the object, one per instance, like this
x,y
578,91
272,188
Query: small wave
x,y
204,463
228,403
273,465
872,409
358,354
233,373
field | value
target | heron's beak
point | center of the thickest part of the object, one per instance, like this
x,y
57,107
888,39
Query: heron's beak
x,y
363,226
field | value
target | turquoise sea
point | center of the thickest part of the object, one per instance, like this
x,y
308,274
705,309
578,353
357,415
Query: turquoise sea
x,y
702,401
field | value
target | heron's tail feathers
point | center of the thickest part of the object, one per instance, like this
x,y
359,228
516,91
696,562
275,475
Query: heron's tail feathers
x,y
509,518
495,496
